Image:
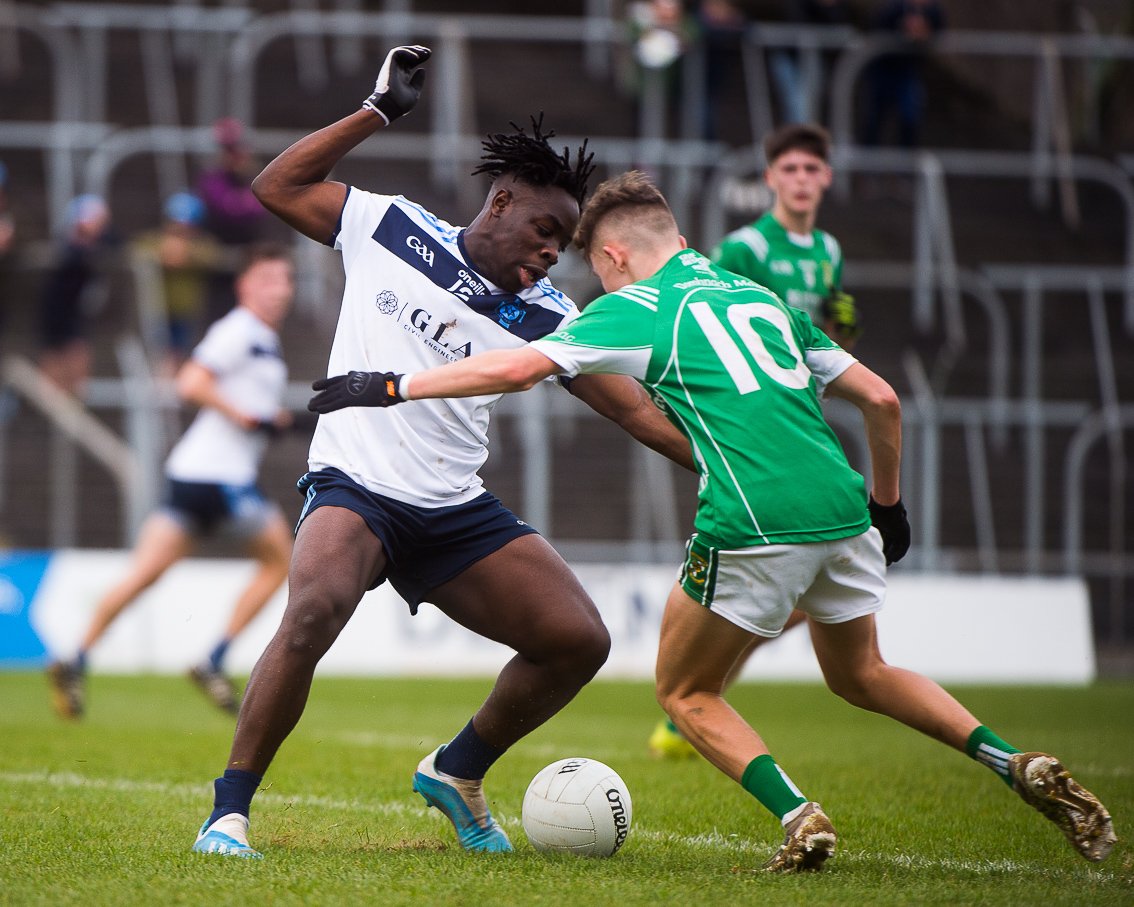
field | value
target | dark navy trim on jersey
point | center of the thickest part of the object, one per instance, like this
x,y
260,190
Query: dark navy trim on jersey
x,y
425,546
339,223
400,235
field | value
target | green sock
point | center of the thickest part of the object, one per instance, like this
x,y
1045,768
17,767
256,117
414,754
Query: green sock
x,y
769,784
987,748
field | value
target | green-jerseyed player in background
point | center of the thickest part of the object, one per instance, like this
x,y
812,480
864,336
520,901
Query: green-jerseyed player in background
x,y
783,250
782,522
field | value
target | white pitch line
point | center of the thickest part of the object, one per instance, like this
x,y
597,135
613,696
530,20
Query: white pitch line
x,y
709,840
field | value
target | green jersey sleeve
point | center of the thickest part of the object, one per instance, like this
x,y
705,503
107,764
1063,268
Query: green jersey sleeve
x,y
825,359
613,335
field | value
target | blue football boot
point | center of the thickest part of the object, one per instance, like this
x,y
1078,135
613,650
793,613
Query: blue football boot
x,y
228,837
463,802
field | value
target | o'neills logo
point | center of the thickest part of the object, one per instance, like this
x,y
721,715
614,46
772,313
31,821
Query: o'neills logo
x,y
618,811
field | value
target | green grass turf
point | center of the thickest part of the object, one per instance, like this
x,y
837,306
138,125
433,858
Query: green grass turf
x,y
104,811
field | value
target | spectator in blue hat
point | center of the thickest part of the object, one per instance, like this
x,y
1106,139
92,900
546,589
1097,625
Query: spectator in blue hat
x,y
172,267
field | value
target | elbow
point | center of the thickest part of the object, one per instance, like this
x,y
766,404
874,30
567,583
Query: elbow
x,y
261,188
518,377
887,403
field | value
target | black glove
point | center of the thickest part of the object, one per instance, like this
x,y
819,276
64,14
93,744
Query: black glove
x,y
268,427
890,520
840,310
355,389
399,82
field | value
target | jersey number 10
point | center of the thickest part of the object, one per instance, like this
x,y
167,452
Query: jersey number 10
x,y
740,318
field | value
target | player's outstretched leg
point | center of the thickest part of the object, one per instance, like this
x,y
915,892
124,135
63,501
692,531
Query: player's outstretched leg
x,y
809,841
227,837
1043,783
463,802
68,696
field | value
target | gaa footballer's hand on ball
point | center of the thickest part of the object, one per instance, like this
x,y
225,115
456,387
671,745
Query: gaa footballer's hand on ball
x,y
890,520
399,82
355,389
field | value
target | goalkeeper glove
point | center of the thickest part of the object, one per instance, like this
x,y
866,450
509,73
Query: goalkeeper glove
x,y
399,82
890,520
355,389
839,309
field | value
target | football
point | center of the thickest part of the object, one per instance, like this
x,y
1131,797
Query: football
x,y
578,806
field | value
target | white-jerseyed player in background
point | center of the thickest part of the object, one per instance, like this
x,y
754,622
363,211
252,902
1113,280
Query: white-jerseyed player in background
x,y
395,495
237,376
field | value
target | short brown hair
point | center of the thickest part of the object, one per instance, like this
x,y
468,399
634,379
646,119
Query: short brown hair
x,y
263,251
806,137
632,193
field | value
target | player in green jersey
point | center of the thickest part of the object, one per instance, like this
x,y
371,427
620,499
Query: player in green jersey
x,y
782,521
783,250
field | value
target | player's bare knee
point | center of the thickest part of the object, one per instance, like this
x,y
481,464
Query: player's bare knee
x,y
309,626
853,686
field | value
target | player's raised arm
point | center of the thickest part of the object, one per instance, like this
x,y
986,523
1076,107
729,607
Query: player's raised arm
x,y
294,186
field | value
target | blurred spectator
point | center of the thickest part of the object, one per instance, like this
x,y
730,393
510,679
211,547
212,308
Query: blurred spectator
x,y
660,33
186,256
7,224
792,90
7,238
721,24
233,215
895,82
70,294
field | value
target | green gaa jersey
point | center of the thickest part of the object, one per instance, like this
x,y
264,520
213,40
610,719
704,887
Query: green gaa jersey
x,y
801,270
740,374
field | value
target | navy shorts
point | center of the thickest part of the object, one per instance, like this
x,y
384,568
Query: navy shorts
x,y
425,546
203,508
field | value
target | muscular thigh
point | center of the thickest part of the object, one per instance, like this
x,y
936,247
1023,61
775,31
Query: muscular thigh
x,y
335,559
522,595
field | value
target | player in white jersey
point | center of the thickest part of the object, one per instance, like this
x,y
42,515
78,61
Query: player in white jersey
x,y
395,494
237,376
782,522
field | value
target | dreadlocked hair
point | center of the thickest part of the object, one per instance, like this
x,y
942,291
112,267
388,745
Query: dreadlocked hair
x,y
532,159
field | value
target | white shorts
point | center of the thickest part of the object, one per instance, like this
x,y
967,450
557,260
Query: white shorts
x,y
757,588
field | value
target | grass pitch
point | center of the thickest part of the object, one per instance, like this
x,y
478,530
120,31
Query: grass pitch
x,y
104,811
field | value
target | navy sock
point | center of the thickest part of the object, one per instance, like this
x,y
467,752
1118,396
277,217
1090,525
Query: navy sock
x,y
467,756
234,791
81,661
217,655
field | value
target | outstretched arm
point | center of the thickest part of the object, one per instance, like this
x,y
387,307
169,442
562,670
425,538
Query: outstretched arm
x,y
493,372
295,187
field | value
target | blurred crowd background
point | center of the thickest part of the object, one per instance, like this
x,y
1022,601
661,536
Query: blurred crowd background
x,y
984,199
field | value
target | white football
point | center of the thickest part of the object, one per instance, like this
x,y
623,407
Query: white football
x,y
577,805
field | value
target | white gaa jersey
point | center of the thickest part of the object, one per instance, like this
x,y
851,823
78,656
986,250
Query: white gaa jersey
x,y
412,302
244,355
